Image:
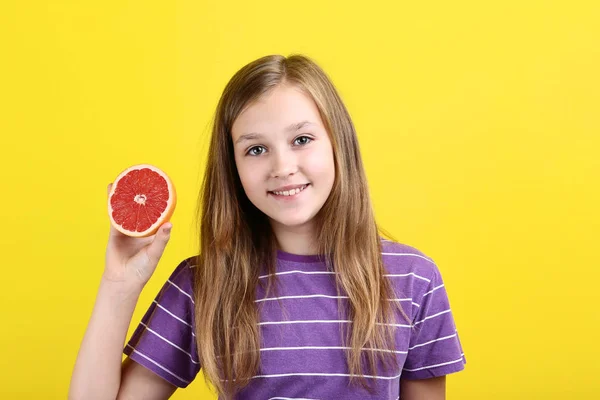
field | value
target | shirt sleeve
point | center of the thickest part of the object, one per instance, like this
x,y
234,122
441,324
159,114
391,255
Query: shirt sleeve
x,y
164,341
435,348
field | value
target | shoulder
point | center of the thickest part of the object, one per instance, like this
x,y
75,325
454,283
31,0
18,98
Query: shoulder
x,y
185,267
399,258
182,277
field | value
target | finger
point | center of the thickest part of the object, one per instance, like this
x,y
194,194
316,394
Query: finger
x,y
161,238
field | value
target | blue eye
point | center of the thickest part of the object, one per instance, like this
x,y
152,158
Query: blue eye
x,y
302,140
256,151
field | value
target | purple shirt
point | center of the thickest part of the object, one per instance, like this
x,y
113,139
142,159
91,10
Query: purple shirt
x,y
301,349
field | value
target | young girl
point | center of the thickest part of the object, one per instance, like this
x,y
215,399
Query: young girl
x,y
294,294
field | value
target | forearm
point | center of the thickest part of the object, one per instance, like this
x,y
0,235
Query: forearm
x,y
423,389
97,371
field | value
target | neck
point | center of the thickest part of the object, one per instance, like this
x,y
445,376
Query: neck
x,y
295,240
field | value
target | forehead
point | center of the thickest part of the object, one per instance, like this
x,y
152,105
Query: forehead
x,y
275,111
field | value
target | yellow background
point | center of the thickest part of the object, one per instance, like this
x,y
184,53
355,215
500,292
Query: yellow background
x,y
479,129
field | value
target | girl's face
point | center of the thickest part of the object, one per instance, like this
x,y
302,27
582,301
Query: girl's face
x,y
284,157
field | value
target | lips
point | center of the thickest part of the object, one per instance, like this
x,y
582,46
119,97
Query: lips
x,y
289,190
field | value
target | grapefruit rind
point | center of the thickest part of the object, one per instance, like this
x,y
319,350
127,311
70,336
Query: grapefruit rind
x,y
164,217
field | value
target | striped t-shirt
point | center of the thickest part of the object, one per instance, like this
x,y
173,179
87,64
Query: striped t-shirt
x,y
301,346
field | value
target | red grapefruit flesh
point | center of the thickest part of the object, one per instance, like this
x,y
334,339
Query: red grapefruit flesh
x,y
141,199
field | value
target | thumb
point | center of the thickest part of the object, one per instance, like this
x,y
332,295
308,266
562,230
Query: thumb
x,y
157,247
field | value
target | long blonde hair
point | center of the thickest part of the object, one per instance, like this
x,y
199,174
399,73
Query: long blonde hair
x,y
235,237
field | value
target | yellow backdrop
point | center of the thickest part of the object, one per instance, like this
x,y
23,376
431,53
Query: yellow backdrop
x,y
479,129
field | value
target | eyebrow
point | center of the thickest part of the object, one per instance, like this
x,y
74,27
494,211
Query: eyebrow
x,y
291,128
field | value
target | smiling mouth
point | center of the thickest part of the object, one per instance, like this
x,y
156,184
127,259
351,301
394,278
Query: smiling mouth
x,y
291,192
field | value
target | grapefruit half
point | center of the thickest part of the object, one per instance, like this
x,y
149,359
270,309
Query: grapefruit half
x,y
141,199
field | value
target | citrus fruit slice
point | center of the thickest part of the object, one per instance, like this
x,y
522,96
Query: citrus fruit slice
x,y
141,199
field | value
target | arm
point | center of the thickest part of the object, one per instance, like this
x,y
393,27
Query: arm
x,y
140,383
423,389
98,372
435,350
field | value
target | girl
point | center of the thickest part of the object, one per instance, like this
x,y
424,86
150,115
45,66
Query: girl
x,y
294,295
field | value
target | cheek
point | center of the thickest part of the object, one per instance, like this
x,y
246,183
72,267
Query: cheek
x,y
249,176
321,164
246,180
242,172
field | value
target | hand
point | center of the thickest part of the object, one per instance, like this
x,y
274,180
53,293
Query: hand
x,y
132,261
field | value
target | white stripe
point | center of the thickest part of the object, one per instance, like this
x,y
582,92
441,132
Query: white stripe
x,y
408,254
328,348
407,299
299,272
289,398
407,274
433,366
433,290
432,341
168,341
431,316
313,321
317,321
174,316
301,297
157,364
325,296
396,325
181,290
322,374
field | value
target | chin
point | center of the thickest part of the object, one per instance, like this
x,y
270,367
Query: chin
x,y
292,221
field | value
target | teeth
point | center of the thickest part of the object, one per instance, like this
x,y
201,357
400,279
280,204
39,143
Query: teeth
x,y
290,192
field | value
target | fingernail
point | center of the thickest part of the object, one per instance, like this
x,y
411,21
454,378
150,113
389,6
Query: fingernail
x,y
167,230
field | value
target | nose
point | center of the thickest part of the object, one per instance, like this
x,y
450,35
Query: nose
x,y
283,164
